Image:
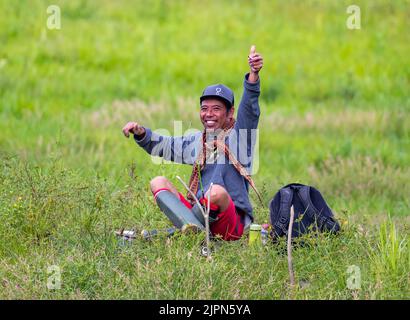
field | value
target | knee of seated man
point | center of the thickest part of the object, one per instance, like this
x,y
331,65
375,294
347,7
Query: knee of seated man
x,y
158,182
218,194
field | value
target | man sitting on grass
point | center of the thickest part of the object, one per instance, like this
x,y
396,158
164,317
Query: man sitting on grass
x,y
222,154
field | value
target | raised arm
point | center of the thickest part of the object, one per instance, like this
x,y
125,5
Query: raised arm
x,y
247,118
248,111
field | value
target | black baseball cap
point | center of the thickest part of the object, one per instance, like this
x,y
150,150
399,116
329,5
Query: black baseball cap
x,y
219,91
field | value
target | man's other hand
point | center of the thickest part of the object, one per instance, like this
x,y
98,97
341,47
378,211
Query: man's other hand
x,y
134,128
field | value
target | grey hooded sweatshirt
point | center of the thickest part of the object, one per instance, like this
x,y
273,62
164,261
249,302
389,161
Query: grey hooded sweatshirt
x,y
241,142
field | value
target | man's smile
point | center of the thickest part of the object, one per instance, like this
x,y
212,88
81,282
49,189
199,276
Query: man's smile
x,y
210,123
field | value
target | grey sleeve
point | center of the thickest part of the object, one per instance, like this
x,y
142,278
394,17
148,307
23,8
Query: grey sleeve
x,y
249,111
182,149
244,136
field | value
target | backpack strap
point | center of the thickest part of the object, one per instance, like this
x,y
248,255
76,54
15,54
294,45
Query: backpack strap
x,y
313,213
286,196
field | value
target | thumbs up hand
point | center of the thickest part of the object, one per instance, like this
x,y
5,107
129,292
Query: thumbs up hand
x,y
255,60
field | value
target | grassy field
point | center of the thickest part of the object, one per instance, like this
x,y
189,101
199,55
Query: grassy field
x,y
335,114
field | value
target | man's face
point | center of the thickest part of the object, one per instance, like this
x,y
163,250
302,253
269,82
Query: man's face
x,y
214,114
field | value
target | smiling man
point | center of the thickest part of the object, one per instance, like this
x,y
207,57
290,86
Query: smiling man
x,y
222,154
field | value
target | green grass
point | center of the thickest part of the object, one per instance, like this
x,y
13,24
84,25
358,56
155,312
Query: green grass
x,y
335,114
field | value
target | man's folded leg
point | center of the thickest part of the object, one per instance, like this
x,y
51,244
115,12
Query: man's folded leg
x,y
227,224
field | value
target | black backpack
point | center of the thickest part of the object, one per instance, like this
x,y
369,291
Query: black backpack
x,y
311,211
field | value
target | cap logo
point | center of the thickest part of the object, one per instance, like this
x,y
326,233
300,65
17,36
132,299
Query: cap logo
x,y
218,91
